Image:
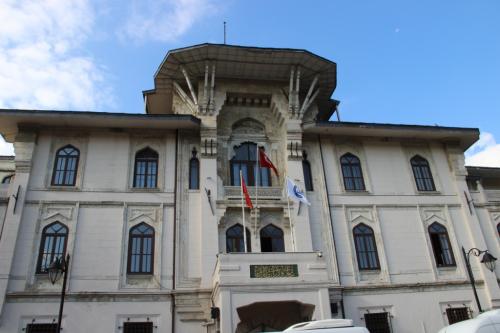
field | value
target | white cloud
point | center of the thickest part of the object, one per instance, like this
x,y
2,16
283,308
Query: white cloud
x,y
42,62
485,152
163,20
6,149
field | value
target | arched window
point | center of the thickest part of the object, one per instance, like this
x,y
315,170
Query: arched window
x,y
235,241
52,245
351,171
7,179
498,229
194,172
306,167
65,166
422,173
441,245
146,168
366,247
141,244
271,239
245,159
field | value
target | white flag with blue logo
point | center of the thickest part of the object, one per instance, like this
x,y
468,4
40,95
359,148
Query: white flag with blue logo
x,y
295,193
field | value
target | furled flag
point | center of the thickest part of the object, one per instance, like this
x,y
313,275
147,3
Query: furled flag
x,y
294,192
265,162
245,193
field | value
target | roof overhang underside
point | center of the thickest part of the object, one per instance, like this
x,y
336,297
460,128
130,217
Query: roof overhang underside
x,y
242,63
464,137
12,120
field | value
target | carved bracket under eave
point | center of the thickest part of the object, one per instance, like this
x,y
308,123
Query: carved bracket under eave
x,y
296,110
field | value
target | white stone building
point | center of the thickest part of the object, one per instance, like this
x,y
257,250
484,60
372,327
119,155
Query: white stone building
x,y
149,208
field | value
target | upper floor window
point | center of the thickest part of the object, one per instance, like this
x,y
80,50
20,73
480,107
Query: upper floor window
x,y
422,173
306,167
441,246
351,171
141,249
235,241
146,168
498,229
7,179
245,159
138,327
271,239
52,245
194,172
65,166
366,247
41,328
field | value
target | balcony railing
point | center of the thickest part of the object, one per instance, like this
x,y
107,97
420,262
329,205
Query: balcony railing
x,y
269,268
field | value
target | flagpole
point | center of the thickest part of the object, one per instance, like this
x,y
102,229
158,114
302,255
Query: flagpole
x,y
243,213
292,232
257,190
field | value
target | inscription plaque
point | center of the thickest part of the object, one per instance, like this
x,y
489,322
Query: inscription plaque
x,y
273,271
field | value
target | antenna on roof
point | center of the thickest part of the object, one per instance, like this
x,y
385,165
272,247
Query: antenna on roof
x,y
224,32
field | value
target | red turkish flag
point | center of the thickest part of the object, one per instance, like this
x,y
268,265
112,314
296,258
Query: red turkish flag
x,y
265,162
245,193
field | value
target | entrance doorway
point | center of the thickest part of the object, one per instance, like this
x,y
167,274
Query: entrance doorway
x,y
272,316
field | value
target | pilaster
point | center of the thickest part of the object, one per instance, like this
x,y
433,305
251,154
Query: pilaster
x,y
24,147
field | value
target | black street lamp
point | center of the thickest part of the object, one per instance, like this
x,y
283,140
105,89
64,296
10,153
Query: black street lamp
x,y
57,268
488,260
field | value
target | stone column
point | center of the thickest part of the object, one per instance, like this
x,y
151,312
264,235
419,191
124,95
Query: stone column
x,y
24,147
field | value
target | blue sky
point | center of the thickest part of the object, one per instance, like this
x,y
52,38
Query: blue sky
x,y
413,62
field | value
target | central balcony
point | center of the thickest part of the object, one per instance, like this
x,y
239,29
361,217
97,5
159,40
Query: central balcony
x,y
270,268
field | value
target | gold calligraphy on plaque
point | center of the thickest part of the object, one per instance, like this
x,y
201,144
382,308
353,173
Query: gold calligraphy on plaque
x,y
273,271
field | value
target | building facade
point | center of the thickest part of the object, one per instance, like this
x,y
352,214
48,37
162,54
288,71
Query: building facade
x,y
149,207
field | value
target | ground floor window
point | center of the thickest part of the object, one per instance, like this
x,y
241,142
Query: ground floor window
x,y
378,322
138,327
457,314
41,328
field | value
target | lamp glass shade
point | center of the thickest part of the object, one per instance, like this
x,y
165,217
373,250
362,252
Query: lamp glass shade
x,y
55,270
489,261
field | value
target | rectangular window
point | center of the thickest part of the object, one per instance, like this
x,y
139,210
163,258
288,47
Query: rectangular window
x,y
378,322
138,327
41,328
456,315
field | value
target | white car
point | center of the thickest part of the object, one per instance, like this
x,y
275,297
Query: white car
x,y
488,322
327,326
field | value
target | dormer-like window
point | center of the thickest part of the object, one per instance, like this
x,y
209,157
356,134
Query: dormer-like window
x,y
422,173
146,168
65,166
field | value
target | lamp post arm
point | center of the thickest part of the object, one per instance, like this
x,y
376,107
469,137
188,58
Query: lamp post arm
x,y
63,293
469,271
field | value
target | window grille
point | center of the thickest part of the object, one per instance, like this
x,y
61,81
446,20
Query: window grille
x,y
441,246
194,172
245,159
422,173
306,168
378,322
52,245
457,314
271,239
41,328
65,166
234,239
366,247
146,169
352,173
141,249
138,327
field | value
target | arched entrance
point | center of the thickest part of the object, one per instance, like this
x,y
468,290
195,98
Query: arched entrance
x,y
272,316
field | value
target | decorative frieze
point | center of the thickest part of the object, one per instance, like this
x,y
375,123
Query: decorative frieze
x,y
273,271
